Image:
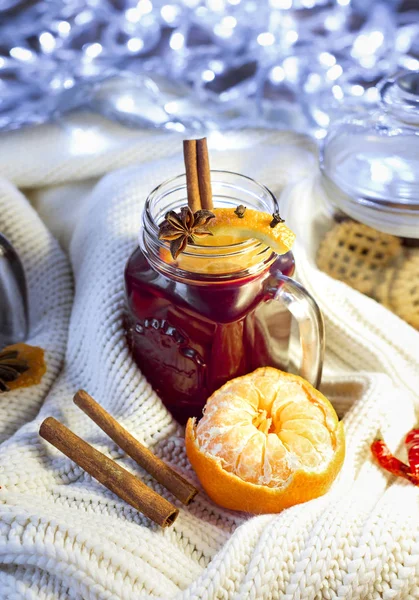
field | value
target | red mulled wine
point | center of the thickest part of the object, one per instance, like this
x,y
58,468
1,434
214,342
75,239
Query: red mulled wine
x,y
189,339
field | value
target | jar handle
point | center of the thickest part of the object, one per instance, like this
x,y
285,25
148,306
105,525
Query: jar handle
x,y
308,315
13,296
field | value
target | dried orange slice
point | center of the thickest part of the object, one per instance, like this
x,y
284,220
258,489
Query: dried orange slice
x,y
267,441
228,228
34,357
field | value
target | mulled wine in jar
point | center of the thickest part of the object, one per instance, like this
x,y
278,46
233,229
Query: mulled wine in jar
x,y
218,310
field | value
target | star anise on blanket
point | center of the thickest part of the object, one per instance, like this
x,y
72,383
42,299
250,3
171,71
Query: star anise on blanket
x,y
182,229
11,367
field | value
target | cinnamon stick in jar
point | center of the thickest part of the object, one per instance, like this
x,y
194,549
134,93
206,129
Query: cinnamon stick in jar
x,y
175,483
191,167
198,174
204,174
109,473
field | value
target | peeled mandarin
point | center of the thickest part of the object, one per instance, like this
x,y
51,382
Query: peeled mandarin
x,y
267,441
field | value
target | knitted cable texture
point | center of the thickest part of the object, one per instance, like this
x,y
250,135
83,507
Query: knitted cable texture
x,y
62,535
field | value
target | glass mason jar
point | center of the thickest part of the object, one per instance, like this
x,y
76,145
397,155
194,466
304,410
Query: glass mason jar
x,y
216,312
370,187
13,296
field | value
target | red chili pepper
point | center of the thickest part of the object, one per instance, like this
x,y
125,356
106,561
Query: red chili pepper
x,y
390,463
412,444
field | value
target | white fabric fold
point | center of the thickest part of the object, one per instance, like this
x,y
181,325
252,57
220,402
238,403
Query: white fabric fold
x,y
62,535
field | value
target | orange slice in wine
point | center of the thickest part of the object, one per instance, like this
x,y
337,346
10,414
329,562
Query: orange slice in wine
x,y
228,228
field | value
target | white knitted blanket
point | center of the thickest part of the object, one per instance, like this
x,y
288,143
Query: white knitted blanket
x,y
62,535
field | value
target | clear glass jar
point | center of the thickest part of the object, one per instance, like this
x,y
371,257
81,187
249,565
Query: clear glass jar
x,y
216,312
370,183
13,296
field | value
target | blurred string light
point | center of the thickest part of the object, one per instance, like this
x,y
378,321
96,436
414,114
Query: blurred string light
x,y
22,54
334,72
202,64
64,28
277,74
135,44
93,50
266,39
170,13
327,59
208,75
338,92
47,41
177,40
281,4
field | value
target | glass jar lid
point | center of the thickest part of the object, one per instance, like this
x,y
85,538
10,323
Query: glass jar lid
x,y
370,165
400,97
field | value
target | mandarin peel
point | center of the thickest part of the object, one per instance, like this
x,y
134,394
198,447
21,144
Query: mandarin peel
x,y
267,441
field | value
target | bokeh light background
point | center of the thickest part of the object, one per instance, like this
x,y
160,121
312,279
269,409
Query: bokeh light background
x,y
198,66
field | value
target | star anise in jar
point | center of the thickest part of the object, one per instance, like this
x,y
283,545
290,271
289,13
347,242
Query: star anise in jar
x,y
184,228
11,367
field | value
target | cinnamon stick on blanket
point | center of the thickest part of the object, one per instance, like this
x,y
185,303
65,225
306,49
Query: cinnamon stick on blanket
x,y
175,483
109,473
198,175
